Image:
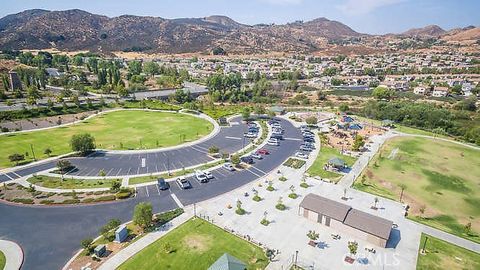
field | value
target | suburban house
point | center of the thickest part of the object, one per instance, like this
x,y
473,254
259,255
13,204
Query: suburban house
x,y
440,91
342,217
420,90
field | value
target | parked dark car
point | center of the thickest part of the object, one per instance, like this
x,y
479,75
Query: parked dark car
x,y
247,159
162,184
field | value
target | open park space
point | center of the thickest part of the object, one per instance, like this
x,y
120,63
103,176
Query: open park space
x,y
127,129
196,245
443,255
439,180
326,153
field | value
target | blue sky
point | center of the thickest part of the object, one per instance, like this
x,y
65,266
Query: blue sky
x,y
366,16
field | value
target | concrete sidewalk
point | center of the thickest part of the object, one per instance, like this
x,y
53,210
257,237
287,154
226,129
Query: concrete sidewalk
x,y
126,253
13,253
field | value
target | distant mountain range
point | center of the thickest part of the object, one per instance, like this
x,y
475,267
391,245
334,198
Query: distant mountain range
x,y
80,30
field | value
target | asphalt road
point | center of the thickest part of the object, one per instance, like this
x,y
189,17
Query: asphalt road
x,y
49,236
229,139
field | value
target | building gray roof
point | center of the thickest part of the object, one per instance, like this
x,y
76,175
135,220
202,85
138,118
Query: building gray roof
x,y
325,206
228,262
354,218
368,223
335,161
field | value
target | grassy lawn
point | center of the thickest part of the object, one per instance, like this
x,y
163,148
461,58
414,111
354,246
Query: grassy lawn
x,y
222,110
115,130
404,129
196,245
3,260
68,183
326,153
151,178
441,179
443,255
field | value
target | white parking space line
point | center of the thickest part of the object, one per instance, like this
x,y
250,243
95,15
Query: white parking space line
x,y
119,171
232,138
158,190
143,162
177,201
146,190
109,171
201,147
181,163
258,169
147,169
254,173
16,174
129,169
292,139
138,170
156,168
8,176
218,171
90,172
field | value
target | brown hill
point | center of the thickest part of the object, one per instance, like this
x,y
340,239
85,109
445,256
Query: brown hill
x,y
80,30
465,35
427,31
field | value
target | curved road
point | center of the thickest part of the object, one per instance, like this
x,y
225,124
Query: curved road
x,y
49,236
229,139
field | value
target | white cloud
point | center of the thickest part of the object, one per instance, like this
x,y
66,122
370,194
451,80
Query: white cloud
x,y
360,7
283,2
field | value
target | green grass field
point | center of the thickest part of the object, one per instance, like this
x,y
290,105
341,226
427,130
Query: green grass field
x,y
326,153
3,260
68,183
443,255
441,179
196,244
129,129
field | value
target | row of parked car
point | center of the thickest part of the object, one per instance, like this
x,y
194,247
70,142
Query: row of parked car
x,y
308,144
252,130
277,133
205,176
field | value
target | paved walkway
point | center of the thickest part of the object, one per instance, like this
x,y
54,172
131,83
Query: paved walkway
x,y
362,162
461,242
13,253
122,256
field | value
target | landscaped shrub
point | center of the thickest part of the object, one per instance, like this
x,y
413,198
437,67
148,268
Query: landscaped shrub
x,y
47,201
23,200
88,200
123,195
70,201
105,198
167,216
294,163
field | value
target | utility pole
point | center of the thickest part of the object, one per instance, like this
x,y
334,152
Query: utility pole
x,y
33,152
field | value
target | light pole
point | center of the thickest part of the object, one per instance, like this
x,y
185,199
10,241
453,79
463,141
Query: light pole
x,y
33,152
425,244
296,258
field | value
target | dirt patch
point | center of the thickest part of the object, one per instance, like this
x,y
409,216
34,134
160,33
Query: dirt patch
x,y
197,242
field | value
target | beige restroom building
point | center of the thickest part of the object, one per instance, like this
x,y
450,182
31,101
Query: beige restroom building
x,y
344,218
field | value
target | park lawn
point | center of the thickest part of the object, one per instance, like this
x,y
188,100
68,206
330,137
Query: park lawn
x,y
196,244
70,183
443,255
404,129
127,129
3,260
218,111
326,153
441,179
